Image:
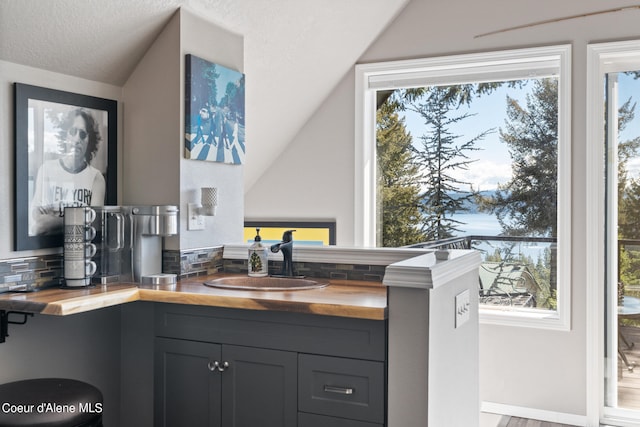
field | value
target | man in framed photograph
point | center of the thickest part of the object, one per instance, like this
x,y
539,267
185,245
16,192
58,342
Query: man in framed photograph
x,y
69,180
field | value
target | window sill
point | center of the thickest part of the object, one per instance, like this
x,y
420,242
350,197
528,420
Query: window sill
x,y
524,318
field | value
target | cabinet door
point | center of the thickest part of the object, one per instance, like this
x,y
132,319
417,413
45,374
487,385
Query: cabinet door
x,y
259,388
187,390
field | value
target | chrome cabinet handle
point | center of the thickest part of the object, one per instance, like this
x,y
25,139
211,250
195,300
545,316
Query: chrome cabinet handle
x,y
217,366
338,390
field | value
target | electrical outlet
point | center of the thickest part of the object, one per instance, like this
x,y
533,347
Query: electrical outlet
x,y
195,221
463,308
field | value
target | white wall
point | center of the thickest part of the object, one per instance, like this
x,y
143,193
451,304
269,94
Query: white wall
x,y
156,171
519,366
313,178
215,44
151,102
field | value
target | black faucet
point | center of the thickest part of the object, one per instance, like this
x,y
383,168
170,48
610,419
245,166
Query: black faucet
x,y
286,247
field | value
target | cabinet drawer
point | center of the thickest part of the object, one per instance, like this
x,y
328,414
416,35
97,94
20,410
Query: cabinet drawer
x,y
306,333
340,387
313,420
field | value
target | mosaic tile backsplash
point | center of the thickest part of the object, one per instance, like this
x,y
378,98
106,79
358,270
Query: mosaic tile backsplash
x,y
39,272
369,273
32,273
194,262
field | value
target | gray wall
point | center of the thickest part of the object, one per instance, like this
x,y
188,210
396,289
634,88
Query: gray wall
x,y
526,367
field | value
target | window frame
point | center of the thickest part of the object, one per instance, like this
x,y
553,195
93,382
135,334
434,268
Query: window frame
x,y
455,69
602,58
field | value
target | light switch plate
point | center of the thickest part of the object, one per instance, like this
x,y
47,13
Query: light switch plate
x,y
195,221
463,307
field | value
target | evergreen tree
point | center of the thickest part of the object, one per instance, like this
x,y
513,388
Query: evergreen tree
x,y
527,204
457,95
628,201
398,181
628,189
440,158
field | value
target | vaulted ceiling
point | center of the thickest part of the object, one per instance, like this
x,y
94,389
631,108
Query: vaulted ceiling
x,y
296,51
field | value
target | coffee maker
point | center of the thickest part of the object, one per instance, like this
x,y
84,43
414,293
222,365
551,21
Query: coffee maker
x,y
129,243
150,225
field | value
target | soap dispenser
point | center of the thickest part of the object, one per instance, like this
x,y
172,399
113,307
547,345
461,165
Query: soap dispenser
x,y
258,264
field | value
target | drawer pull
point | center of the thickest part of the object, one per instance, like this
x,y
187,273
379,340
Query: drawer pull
x,y
338,390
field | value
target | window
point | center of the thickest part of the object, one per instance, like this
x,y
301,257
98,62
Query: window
x,y
613,236
316,233
526,73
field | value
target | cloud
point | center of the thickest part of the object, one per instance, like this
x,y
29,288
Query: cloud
x,y
484,174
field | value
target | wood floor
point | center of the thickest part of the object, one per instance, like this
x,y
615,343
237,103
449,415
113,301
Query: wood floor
x,y
523,422
629,381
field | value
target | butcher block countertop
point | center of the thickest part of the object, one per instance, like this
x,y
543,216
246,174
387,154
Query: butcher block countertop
x,y
363,300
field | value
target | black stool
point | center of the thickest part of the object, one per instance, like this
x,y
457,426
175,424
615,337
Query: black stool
x,y
50,402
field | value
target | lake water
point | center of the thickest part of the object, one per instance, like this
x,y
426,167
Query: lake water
x,y
477,224
481,224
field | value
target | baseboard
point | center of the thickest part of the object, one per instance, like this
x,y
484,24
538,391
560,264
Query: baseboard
x,y
534,414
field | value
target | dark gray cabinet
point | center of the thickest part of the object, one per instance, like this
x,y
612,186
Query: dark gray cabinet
x,y
187,392
242,368
258,387
204,384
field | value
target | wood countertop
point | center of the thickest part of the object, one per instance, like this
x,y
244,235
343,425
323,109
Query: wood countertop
x,y
364,300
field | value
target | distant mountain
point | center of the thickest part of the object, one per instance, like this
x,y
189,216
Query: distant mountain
x,y
470,206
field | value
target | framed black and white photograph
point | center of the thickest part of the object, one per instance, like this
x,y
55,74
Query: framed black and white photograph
x,y
65,155
214,112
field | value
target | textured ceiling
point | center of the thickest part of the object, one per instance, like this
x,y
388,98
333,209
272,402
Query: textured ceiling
x,y
297,48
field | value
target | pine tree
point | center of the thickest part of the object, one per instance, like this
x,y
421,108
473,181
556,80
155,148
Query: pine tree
x,y
527,204
441,158
628,189
399,191
628,200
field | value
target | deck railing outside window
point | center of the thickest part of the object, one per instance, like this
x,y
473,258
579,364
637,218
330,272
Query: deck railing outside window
x,y
516,271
